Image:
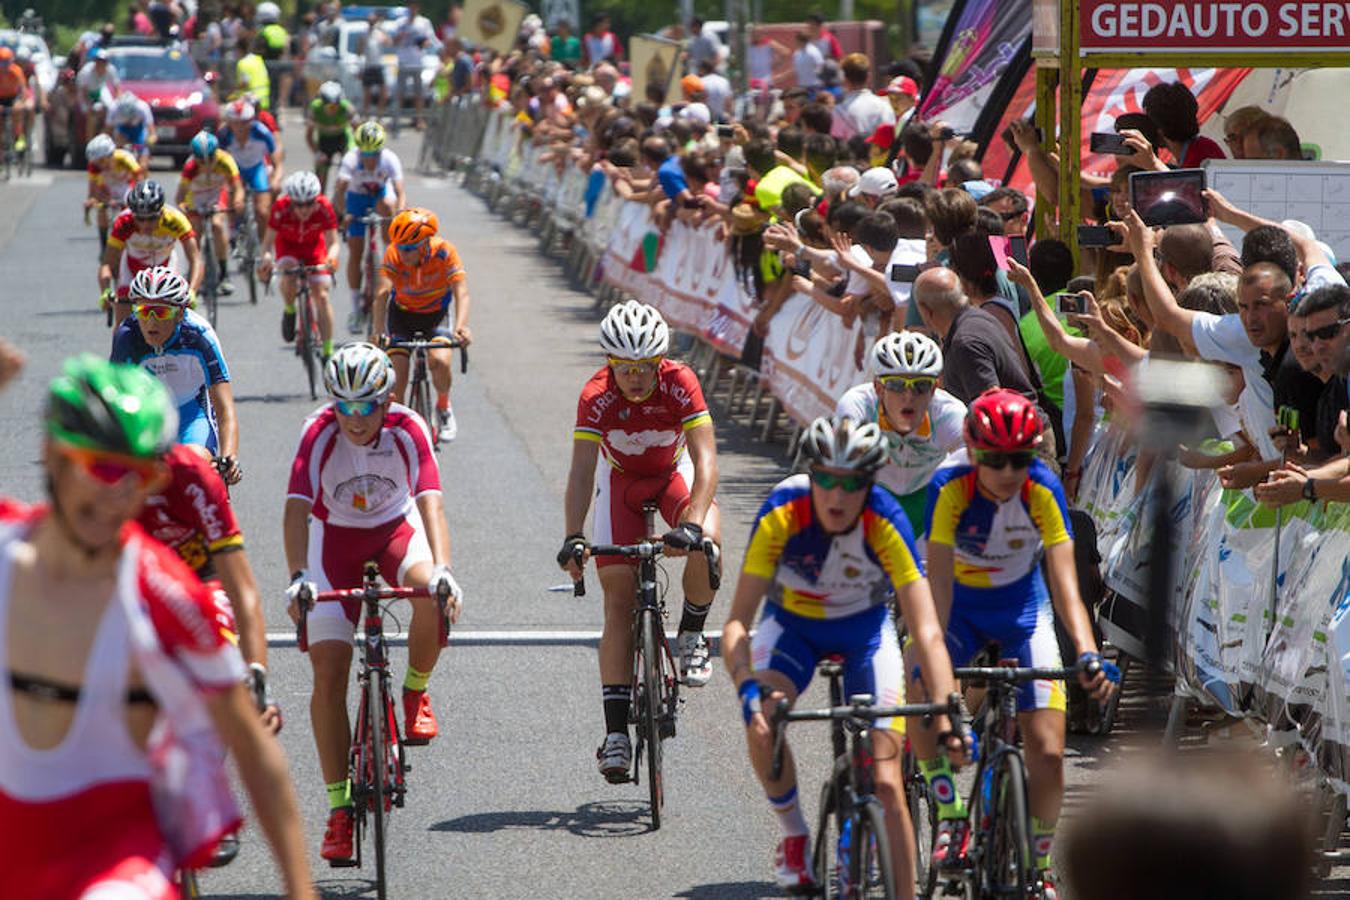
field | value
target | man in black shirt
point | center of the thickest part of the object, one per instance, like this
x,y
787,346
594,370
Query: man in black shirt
x,y
1326,320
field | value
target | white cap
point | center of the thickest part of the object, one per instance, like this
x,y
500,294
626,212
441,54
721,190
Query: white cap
x,y
697,112
877,181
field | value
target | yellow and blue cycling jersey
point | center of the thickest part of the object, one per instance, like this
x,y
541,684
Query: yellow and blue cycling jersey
x,y
830,576
996,544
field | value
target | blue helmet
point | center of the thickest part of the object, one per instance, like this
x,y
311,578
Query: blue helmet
x,y
204,145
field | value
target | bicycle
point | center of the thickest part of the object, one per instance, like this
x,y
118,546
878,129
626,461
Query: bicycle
x,y
211,275
370,262
656,683
419,375
246,250
377,764
852,852
10,155
308,342
1001,857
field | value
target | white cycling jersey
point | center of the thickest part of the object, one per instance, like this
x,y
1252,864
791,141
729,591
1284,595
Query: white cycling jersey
x,y
375,180
913,457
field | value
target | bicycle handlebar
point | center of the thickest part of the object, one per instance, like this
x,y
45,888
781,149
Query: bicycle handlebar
x,y
652,548
306,599
440,343
1015,674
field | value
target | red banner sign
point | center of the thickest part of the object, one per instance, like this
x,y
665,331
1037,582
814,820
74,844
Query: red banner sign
x,y
1214,25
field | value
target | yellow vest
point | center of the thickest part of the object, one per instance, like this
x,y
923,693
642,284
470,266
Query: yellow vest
x,y
252,71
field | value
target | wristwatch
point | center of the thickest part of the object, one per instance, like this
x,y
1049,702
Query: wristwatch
x,y
1310,490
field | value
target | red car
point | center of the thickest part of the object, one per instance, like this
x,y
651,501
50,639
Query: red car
x,y
169,80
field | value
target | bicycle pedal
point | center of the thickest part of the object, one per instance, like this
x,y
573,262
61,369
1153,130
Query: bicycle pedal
x,y
414,742
343,864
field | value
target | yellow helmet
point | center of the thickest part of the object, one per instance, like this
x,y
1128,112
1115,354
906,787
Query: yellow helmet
x,y
370,137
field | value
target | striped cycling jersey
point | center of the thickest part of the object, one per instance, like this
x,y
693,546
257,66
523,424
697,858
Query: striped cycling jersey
x,y
829,576
111,182
997,544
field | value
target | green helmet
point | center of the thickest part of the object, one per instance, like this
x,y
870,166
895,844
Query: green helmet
x,y
113,407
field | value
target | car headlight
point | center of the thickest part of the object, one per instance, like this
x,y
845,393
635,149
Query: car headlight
x,y
194,98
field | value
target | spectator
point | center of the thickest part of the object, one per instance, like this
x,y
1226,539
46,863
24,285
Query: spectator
x,y
413,37
874,187
564,46
822,38
376,94
1272,138
600,44
860,111
837,182
903,95
816,118
820,151
806,63
1173,108
1325,315
1011,206
771,177
1237,124
704,45
717,92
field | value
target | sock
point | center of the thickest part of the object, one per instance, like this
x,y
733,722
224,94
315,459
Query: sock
x,y
693,617
328,348
617,698
1042,836
789,813
442,402
339,793
415,680
223,268
938,774
356,299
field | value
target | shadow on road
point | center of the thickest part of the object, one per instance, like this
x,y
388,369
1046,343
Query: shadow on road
x,y
269,398
731,890
608,819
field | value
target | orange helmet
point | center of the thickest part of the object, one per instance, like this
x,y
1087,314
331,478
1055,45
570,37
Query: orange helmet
x,y
412,226
6,55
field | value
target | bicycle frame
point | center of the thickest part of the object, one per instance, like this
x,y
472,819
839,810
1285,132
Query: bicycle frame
x,y
417,393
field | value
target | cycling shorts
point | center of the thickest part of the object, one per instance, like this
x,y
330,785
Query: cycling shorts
x,y
315,278
133,134
337,560
255,178
403,325
1024,630
199,200
793,646
197,426
360,204
334,145
618,503
8,102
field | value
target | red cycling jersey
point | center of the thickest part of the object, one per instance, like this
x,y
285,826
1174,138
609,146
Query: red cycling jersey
x,y
301,239
644,437
192,514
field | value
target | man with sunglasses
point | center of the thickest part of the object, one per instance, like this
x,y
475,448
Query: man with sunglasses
x,y
420,279
920,422
364,486
370,177
181,349
112,635
143,236
991,522
829,553
304,227
645,415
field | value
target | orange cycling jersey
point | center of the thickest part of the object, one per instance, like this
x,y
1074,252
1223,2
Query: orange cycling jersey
x,y
12,82
424,287
112,181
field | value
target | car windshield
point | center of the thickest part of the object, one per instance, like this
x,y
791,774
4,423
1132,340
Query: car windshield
x,y
169,65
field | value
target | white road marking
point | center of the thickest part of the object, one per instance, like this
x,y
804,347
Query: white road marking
x,y
472,637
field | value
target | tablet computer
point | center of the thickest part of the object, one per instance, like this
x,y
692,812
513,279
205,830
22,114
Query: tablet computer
x,y
1169,198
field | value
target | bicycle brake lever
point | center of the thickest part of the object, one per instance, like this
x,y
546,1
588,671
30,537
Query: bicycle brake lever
x,y
463,359
714,556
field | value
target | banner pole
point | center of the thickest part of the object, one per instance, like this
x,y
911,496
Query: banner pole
x,y
1070,125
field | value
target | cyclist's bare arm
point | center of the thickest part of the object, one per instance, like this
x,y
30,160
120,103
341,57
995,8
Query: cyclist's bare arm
x,y
941,571
196,270
237,196
295,539
262,768
461,291
181,194
379,307
332,245
340,198
1069,605
400,197
580,487
432,509
227,423
278,167
703,453
750,591
916,608
236,576
266,258
112,256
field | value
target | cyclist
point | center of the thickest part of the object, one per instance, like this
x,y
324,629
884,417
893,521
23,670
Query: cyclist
x,y
133,126
13,95
364,486
920,422
370,178
112,633
142,236
210,180
328,128
253,145
646,416
97,84
112,173
828,552
36,103
181,349
991,522
420,279
305,228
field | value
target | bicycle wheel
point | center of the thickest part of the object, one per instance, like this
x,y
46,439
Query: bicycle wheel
x,y
652,638
188,886
376,750
211,274
249,256
421,398
1006,860
874,869
825,853
923,818
312,347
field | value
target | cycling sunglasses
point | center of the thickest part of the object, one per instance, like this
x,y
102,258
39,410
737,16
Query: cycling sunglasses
x,y
919,384
357,407
1018,459
1326,332
634,366
112,469
147,312
412,248
828,481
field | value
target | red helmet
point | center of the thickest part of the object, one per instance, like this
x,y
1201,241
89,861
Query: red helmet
x,y
1004,421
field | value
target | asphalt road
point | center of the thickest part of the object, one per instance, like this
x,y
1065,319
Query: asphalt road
x,y
507,803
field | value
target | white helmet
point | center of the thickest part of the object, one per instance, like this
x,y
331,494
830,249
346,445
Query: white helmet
x,y
330,92
267,13
634,330
160,285
359,371
906,353
843,443
302,187
125,104
101,146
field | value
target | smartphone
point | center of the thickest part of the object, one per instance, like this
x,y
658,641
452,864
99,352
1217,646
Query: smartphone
x,y
1073,304
1287,417
946,134
725,132
802,267
1169,198
904,274
1007,136
839,288
1096,236
1112,144
1017,248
